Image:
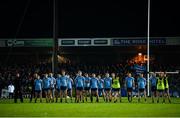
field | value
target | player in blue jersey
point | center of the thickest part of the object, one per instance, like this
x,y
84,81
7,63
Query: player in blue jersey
x,y
107,87
52,88
58,86
38,87
46,87
86,86
141,86
153,83
79,81
101,87
129,83
63,82
94,87
69,86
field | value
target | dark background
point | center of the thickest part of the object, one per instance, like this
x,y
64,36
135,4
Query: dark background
x,y
88,18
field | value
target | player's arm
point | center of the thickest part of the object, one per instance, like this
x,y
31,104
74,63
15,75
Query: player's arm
x,y
125,82
133,82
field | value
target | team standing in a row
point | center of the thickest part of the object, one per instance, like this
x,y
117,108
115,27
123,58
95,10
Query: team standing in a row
x,y
108,87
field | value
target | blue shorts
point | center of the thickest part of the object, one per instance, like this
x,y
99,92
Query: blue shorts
x,y
107,89
37,91
94,89
69,89
153,88
129,89
46,89
100,89
58,89
116,89
79,88
141,89
63,88
87,88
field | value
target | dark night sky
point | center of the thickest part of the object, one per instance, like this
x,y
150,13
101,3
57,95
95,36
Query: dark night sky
x,y
89,18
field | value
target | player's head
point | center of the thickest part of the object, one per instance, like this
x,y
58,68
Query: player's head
x,y
113,75
46,75
35,75
50,74
68,76
93,75
86,75
99,76
63,72
107,74
58,75
129,75
153,74
38,77
161,74
79,73
165,75
141,75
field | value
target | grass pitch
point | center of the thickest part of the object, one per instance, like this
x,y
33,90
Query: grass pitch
x,y
102,109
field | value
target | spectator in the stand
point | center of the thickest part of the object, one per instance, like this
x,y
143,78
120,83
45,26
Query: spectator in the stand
x,y
11,90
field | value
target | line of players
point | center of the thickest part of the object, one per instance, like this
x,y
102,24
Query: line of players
x,y
108,87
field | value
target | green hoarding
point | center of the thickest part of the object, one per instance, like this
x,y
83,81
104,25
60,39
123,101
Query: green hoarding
x,y
29,42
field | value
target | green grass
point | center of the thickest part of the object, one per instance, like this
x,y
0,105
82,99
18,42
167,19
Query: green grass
x,y
8,108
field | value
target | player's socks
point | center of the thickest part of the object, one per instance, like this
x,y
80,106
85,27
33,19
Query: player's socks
x,y
91,98
153,101
163,100
71,100
169,101
120,100
138,99
115,101
97,100
106,100
110,100
61,100
131,98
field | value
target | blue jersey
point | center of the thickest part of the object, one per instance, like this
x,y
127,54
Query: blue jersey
x,y
79,80
58,83
129,82
94,82
53,82
87,81
38,84
64,80
153,80
46,83
141,83
107,82
101,84
69,83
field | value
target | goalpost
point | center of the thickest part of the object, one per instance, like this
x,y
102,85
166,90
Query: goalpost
x,y
148,57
